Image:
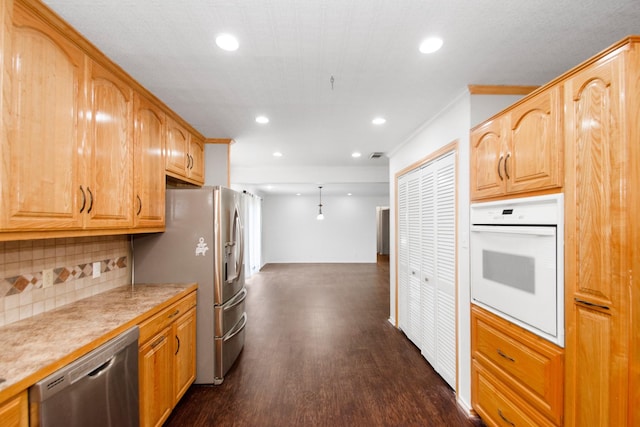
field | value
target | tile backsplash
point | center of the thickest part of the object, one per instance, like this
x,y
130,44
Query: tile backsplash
x,y
72,262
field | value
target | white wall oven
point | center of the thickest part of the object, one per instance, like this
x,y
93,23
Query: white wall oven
x,y
517,255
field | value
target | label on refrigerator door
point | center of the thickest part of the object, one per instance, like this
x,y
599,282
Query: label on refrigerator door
x,y
201,247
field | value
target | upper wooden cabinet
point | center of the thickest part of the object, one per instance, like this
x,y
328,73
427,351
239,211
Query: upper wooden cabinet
x,y
149,167
42,133
520,150
601,239
185,153
81,154
108,151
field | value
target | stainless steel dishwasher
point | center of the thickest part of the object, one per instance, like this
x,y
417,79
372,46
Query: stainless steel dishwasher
x,y
98,389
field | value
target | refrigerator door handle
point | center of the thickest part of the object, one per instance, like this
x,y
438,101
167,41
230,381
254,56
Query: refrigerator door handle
x,y
237,300
237,238
237,329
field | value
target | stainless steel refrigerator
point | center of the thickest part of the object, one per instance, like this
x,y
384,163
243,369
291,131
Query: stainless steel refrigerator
x,y
203,242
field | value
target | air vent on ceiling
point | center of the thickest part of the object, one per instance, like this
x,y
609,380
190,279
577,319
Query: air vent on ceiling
x,y
376,155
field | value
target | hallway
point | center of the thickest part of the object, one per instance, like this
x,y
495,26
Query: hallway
x,y
320,352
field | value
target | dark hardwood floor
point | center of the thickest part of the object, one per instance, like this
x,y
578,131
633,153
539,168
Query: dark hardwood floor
x,y
320,351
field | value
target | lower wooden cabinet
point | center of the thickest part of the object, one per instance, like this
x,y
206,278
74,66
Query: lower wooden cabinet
x,y
517,377
15,411
167,360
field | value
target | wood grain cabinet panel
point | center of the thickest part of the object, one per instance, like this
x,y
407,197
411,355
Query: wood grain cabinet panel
x,y
184,154
601,144
15,411
149,166
108,151
167,359
42,127
185,354
534,159
196,151
155,372
524,363
520,150
487,159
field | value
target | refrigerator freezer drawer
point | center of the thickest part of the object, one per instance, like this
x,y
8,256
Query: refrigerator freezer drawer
x,y
229,314
228,348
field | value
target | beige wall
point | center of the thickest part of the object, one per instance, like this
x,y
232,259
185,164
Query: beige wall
x,y
72,259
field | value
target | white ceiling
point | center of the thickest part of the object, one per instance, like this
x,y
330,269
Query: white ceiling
x,y
289,49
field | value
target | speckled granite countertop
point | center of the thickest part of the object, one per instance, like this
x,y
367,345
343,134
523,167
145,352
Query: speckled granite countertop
x,y
36,347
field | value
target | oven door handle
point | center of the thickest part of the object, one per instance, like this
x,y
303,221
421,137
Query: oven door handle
x,y
509,229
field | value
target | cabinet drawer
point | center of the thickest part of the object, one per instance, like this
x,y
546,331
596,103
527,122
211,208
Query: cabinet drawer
x,y
152,326
529,365
498,406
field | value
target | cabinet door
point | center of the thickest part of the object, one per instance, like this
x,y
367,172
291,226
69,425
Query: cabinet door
x,y
597,277
41,137
414,331
534,159
488,153
156,375
149,167
15,411
196,153
177,149
185,353
109,151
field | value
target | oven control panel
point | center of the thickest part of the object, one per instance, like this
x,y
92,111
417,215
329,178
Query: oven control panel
x,y
537,210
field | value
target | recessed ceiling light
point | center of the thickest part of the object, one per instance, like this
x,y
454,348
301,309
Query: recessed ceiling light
x,y
355,154
277,154
349,194
298,194
227,42
262,120
379,121
430,45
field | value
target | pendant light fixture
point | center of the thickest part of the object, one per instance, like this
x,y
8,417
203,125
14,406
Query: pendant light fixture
x,y
320,216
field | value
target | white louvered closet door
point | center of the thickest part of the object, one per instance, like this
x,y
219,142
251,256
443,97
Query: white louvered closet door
x,y
403,255
413,224
445,288
428,263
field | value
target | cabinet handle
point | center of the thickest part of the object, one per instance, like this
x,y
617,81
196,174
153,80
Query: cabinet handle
x,y
191,163
507,420
590,304
500,163
506,162
174,314
158,342
511,359
84,199
139,205
177,349
90,200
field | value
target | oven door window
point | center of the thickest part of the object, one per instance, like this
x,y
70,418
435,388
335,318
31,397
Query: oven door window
x,y
513,272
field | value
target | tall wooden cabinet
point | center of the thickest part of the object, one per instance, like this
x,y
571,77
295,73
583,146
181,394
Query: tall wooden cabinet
x,y
598,106
427,261
601,239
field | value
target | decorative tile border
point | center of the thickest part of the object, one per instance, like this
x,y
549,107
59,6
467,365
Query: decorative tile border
x,y
26,282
